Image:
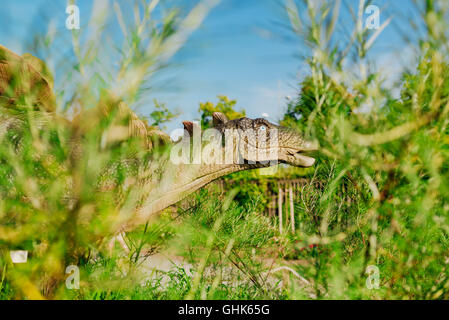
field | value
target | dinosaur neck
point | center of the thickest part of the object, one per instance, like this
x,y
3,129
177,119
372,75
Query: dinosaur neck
x,y
177,182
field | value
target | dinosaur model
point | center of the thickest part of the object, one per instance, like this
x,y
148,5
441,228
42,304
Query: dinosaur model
x,y
25,80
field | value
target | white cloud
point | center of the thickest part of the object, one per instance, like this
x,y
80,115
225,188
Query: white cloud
x,y
392,64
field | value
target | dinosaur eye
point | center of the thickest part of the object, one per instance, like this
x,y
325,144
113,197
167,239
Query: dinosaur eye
x,y
262,128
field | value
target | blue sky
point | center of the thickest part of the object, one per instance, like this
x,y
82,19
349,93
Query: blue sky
x,y
239,51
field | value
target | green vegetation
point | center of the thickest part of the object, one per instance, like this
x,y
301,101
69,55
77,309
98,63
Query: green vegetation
x,y
382,199
224,105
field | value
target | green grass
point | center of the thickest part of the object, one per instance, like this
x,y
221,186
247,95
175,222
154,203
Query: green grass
x,y
382,202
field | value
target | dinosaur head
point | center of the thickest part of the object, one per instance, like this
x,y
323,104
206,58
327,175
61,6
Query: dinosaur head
x,y
258,141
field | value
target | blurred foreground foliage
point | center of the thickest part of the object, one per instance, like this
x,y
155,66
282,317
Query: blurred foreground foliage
x,y
382,200
70,157
388,154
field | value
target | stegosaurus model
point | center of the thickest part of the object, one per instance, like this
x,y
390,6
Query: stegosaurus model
x,y
25,80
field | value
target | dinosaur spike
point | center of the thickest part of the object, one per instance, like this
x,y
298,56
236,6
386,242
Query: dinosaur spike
x,y
188,126
219,118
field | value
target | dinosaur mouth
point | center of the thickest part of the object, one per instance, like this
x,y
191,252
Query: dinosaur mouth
x,y
302,156
299,158
302,160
